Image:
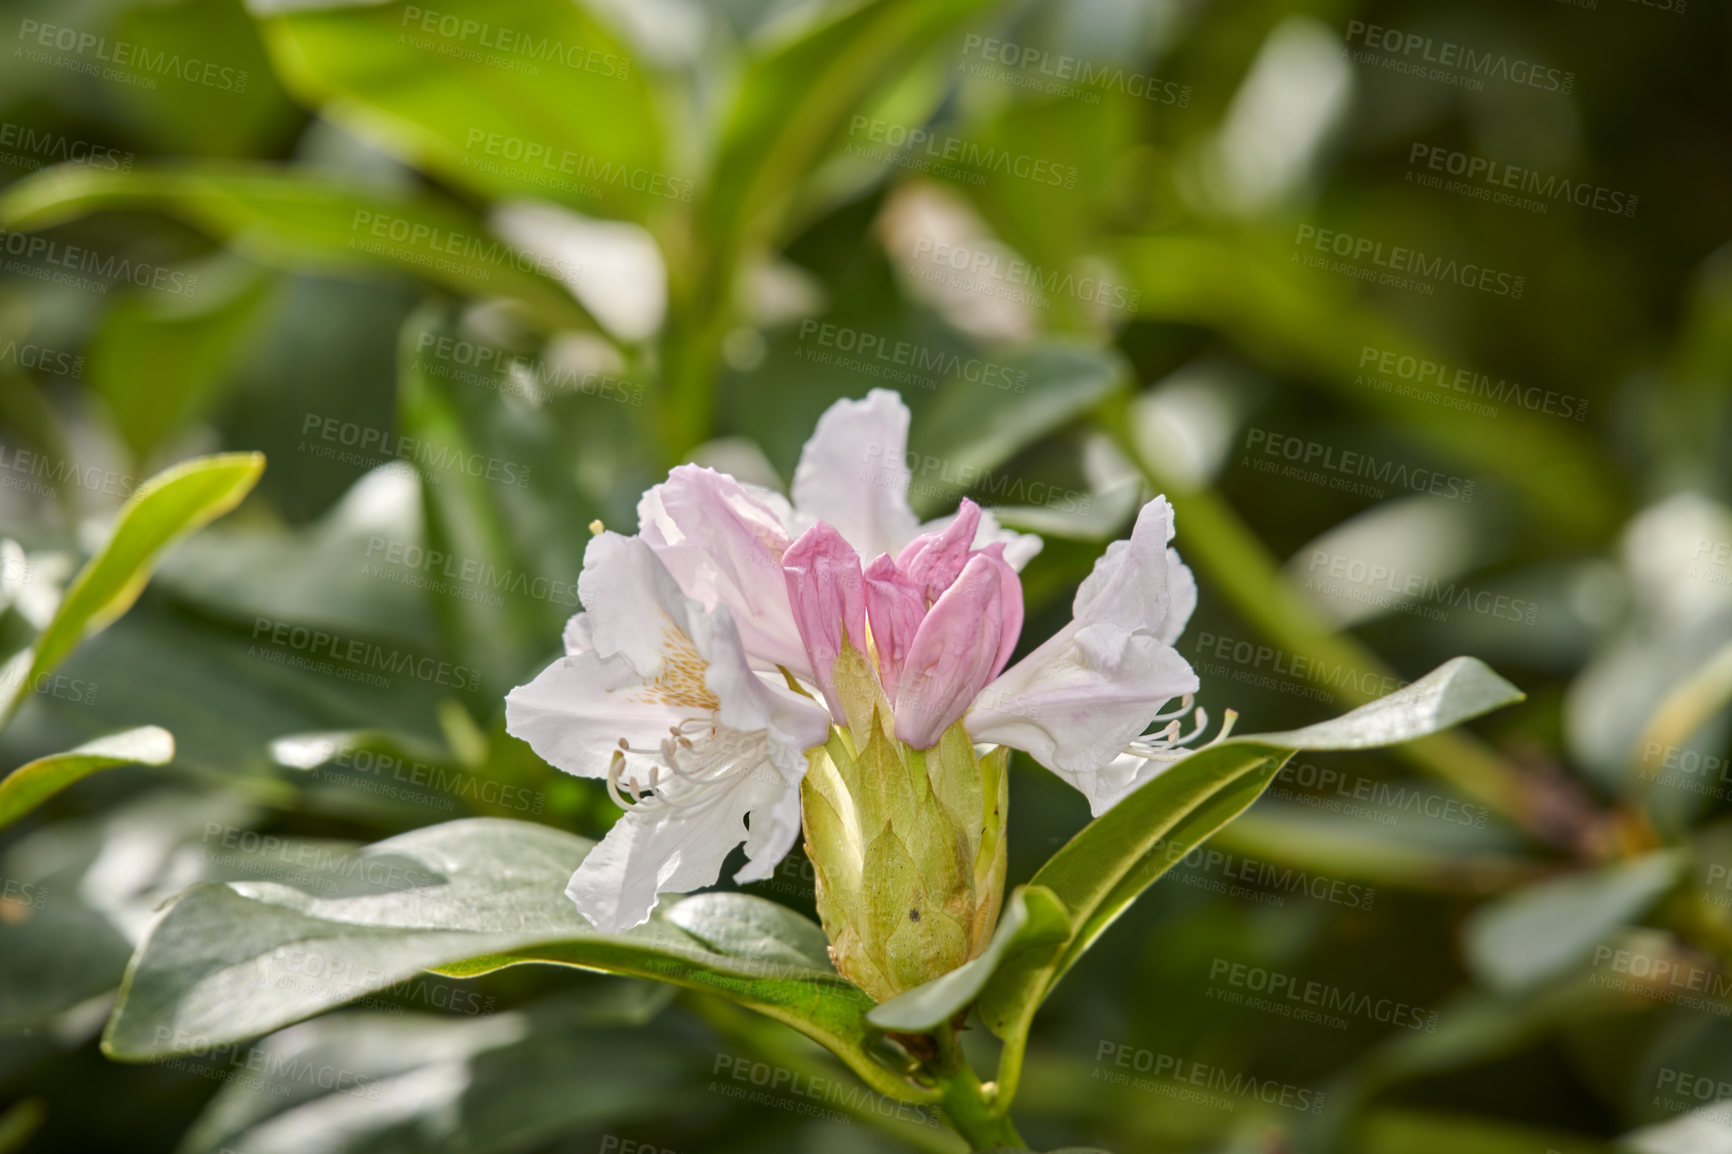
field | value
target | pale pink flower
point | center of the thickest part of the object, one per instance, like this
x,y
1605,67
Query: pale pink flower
x,y
675,683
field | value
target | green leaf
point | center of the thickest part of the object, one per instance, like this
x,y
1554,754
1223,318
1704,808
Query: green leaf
x,y
1538,932
166,507
1032,917
796,96
1063,382
160,361
1115,857
30,785
301,223
228,963
508,1081
557,111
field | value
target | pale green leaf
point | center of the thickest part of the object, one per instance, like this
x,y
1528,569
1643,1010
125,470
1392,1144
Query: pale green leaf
x,y
31,784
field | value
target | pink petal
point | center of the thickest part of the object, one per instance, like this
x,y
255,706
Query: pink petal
x,y
825,588
724,547
895,605
961,646
934,560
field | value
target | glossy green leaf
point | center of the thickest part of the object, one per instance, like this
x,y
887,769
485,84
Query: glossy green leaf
x,y
30,785
1119,854
500,96
160,361
166,507
1541,931
228,963
310,224
506,1080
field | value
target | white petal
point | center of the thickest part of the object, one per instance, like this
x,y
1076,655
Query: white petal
x,y
853,473
750,702
1182,595
1129,585
1118,778
677,848
633,605
774,828
1074,703
576,711
724,546
577,636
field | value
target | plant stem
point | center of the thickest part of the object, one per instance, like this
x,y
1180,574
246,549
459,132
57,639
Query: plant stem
x,y
968,1106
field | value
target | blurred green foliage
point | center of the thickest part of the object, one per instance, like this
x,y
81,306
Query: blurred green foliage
x,y
473,275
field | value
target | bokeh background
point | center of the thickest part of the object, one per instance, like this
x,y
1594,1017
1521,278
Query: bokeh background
x,y
1419,312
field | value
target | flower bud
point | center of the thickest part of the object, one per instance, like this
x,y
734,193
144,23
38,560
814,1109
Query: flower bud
x,y
907,845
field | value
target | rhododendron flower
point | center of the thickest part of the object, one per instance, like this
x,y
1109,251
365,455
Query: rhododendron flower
x,y
739,636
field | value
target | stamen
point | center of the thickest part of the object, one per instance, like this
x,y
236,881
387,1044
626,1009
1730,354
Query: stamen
x,y
687,765
1171,744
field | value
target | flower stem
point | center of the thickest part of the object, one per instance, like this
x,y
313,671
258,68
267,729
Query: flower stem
x,y
968,1106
